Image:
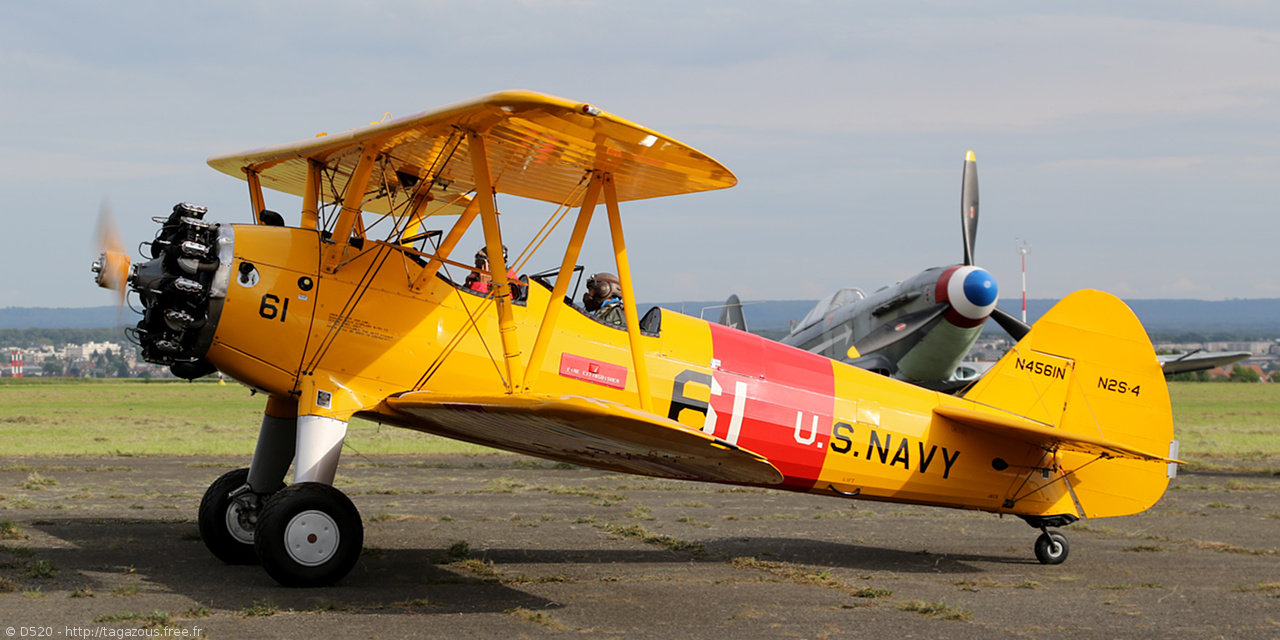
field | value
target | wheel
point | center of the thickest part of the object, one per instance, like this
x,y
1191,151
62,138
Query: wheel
x,y
1052,548
226,523
309,535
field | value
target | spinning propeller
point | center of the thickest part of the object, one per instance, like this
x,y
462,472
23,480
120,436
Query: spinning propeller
x,y
112,265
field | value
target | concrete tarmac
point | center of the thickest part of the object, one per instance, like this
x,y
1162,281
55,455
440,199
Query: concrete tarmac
x,y
502,546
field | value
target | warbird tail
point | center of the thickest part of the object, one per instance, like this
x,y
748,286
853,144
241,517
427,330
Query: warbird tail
x,y
731,314
1085,386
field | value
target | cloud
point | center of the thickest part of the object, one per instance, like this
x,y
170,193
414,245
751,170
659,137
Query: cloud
x,y
1185,288
1136,129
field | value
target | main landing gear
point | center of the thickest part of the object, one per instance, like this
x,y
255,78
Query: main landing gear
x,y
308,534
228,517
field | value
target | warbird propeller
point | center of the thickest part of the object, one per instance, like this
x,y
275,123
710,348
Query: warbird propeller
x,y
333,323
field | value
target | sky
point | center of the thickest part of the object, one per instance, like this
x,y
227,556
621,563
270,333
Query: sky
x,y
1133,146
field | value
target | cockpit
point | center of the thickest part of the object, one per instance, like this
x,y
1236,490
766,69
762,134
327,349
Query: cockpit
x,y
827,305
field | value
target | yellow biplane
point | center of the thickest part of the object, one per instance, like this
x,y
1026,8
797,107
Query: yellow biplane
x,y
354,313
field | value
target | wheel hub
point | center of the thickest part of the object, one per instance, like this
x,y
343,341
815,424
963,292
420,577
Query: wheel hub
x,y
242,519
311,538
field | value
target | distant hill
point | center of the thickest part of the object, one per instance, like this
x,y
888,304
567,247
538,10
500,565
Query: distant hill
x,y
1258,318
762,315
1241,318
64,318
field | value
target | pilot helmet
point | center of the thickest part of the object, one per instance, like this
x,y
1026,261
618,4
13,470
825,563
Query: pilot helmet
x,y
482,256
601,287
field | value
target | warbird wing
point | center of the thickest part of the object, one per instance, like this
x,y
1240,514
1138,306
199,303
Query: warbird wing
x,y
588,431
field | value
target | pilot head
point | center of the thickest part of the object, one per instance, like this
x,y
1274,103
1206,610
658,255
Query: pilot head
x,y
600,288
482,257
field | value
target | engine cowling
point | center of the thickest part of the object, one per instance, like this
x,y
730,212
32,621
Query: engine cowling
x,y
182,289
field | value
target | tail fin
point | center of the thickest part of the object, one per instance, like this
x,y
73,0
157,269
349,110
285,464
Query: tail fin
x,y
1085,384
731,314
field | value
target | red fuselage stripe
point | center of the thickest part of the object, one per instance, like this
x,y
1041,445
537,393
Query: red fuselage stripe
x,y
786,415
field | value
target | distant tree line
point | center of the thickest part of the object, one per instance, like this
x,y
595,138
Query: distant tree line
x,y
1238,374
29,338
1213,336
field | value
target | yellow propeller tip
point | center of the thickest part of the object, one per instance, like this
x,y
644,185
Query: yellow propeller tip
x,y
969,157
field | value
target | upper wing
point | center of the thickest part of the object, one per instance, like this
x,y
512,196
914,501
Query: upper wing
x,y
1199,361
538,146
586,431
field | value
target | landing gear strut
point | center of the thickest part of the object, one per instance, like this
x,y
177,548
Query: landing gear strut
x,y
308,534
229,511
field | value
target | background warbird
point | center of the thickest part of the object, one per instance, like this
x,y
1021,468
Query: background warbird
x,y
361,309
916,330
920,329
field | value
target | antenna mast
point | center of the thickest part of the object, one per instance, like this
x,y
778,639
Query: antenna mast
x,y
1023,248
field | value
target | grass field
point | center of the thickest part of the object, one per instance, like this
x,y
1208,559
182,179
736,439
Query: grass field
x,y
1220,425
1228,425
109,418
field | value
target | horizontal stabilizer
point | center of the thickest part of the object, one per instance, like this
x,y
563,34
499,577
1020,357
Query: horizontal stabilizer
x,y
1014,427
588,432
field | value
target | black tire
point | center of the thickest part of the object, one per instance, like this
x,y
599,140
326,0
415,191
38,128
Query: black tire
x,y
309,535
224,534
1052,548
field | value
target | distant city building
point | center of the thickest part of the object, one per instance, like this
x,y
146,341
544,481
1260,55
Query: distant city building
x,y
74,352
1256,348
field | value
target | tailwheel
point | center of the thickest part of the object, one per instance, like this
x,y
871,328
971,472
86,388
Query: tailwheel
x,y
1052,548
309,535
228,517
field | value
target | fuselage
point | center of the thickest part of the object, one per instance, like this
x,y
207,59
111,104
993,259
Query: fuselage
x,y
828,427
940,313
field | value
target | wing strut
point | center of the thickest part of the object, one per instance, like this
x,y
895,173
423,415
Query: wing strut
x,y
447,246
349,216
500,290
562,281
311,195
255,194
628,294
